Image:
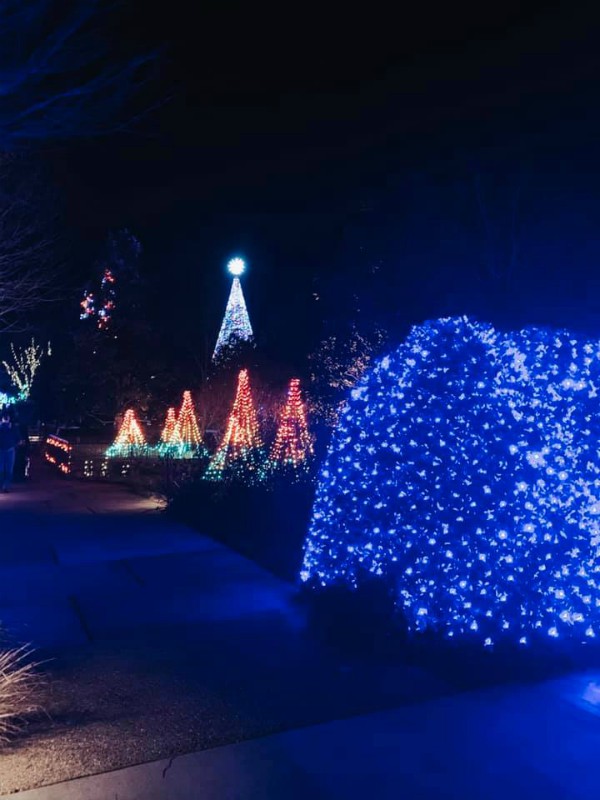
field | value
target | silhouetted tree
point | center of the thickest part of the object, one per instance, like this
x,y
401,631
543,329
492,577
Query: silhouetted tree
x,y
26,247
59,76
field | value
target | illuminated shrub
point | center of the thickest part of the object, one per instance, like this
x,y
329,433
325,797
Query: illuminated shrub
x,y
465,469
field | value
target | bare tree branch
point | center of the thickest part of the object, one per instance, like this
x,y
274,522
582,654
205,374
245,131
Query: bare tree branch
x,y
26,248
58,77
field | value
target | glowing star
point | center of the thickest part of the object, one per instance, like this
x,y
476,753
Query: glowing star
x,y
494,532
236,267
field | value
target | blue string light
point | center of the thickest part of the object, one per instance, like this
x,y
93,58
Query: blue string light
x,y
466,470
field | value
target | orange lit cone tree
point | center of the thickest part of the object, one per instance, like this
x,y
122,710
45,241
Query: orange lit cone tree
x,y
187,433
240,456
292,449
170,441
169,433
130,439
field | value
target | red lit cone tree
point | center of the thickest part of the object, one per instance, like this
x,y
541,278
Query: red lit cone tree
x,y
240,456
293,446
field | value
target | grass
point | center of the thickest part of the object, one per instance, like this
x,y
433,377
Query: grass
x,y
20,683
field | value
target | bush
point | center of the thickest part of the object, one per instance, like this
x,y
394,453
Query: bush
x,y
265,522
466,471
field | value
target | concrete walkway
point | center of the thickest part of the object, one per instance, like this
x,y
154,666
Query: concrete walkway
x,y
83,562
495,744
160,641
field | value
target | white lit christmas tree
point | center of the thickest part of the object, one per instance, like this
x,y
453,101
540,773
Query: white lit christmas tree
x,y
235,328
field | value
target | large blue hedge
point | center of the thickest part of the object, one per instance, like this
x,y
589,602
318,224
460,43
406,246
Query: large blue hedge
x,y
466,470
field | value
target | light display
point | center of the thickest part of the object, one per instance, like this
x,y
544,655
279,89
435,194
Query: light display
x,y
236,327
7,399
102,308
293,446
88,305
187,431
240,454
180,437
22,371
338,364
236,267
58,453
130,439
466,471
170,434
107,308
170,443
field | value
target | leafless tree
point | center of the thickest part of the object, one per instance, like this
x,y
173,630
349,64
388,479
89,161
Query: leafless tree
x,y
59,77
337,365
26,248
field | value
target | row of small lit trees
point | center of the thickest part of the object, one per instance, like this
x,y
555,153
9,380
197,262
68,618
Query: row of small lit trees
x,y
241,455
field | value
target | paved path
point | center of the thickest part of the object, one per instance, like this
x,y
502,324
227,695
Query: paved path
x,y
82,562
160,640
495,744
163,642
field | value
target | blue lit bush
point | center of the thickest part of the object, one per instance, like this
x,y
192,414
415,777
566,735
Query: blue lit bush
x,y
465,471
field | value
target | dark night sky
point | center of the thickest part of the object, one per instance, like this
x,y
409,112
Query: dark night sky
x,y
308,139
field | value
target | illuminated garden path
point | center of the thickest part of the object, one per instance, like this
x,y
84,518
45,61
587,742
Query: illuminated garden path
x,y
160,641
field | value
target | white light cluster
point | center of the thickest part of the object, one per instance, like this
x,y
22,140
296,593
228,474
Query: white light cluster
x,y
236,327
466,470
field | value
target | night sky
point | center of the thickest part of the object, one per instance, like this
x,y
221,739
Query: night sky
x,y
335,150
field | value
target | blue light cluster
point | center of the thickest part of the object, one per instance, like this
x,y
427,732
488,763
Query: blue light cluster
x,y
7,399
466,471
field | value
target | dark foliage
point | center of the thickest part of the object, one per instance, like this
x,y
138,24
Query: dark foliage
x,y
266,523
59,76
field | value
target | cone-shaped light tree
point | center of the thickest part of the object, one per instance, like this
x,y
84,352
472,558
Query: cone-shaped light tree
x,y
130,438
235,328
293,445
240,454
170,440
170,434
187,431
